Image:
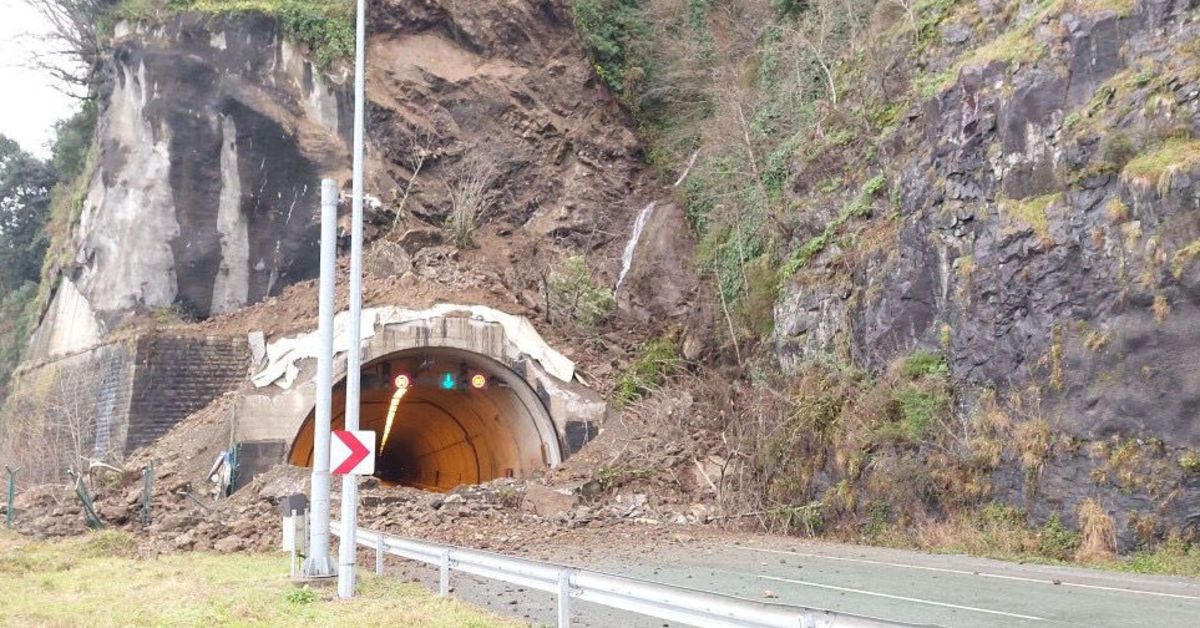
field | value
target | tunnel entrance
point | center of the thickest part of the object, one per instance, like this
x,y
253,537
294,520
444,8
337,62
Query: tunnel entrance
x,y
461,418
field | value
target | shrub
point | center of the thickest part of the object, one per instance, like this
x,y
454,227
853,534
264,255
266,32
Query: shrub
x,y
919,410
611,30
72,138
924,363
1056,541
301,596
648,370
1116,150
810,518
574,295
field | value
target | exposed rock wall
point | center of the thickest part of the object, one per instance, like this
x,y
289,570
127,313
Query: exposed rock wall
x,y
214,131
213,135
1046,210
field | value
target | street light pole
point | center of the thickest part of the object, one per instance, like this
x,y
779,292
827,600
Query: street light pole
x,y
346,549
319,563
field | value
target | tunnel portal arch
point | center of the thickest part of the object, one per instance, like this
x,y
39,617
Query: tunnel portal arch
x,y
532,415
446,430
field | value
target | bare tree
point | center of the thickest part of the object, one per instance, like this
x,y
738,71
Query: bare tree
x,y
77,45
48,432
817,36
420,151
470,186
71,421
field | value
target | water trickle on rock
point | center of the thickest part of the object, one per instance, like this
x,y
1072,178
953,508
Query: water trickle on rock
x,y
631,245
640,224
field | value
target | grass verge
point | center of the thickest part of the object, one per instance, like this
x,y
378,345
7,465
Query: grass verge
x,y
99,580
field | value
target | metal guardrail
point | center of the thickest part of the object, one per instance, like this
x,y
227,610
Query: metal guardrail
x,y
669,602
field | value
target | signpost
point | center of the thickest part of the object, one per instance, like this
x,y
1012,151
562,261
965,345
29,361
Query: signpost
x,y
352,452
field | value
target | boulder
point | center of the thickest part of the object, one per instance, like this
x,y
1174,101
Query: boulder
x,y
229,544
546,501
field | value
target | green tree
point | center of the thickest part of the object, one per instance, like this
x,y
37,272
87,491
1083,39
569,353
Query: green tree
x,y
25,186
611,29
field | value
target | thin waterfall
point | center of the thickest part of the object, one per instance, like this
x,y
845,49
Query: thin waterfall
x,y
640,224
631,245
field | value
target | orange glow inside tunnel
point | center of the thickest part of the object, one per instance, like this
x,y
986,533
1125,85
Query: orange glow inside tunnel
x,y
489,424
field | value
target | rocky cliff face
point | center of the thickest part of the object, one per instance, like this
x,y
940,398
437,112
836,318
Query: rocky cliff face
x,y
214,134
506,87
1045,241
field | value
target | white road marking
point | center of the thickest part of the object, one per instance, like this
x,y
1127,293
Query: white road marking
x,y
902,598
982,574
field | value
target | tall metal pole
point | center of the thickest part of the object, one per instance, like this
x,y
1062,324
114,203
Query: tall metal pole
x,y
319,562
346,551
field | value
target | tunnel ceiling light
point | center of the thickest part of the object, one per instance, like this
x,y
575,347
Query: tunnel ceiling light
x,y
478,381
448,382
401,388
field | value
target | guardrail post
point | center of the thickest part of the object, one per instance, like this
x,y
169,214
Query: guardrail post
x,y
89,510
564,598
12,491
379,555
147,490
444,574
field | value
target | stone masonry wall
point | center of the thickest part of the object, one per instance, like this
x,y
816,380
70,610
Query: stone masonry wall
x,y
178,375
113,398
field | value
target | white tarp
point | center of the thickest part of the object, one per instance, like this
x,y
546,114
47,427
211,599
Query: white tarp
x,y
284,354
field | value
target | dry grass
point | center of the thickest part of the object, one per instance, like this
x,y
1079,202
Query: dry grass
x,y
1099,544
1161,308
1031,212
1184,257
1117,210
98,580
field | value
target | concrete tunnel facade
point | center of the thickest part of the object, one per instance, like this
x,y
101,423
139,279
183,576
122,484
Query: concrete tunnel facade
x,y
460,418
528,415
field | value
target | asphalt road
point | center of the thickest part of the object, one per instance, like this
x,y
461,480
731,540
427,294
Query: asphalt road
x,y
895,585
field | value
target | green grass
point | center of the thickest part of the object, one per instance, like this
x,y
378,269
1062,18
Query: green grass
x,y
98,580
1173,558
1153,165
1121,7
924,363
1013,46
1031,212
919,410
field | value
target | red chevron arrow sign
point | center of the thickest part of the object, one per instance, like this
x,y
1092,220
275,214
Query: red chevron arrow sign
x,y
352,452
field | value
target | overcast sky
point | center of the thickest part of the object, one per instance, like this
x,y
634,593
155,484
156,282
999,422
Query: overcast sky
x,y
29,102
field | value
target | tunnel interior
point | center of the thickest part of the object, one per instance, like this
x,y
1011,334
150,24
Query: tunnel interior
x,y
457,418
